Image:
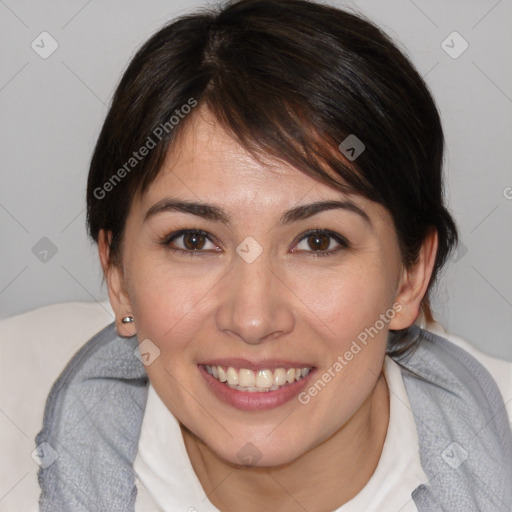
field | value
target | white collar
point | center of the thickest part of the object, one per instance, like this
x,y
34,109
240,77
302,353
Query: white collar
x,y
170,483
399,470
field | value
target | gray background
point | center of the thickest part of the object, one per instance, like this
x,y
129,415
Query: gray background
x,y
53,108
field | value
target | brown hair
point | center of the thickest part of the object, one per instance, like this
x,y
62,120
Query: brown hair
x,y
290,80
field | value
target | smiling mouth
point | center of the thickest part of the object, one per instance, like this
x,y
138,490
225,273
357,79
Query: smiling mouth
x,y
243,379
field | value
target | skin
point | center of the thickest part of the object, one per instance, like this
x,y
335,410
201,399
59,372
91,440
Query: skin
x,y
286,304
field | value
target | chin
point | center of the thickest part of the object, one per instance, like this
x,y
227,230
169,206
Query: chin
x,y
263,452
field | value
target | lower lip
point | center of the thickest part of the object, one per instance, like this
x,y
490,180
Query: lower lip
x,y
257,400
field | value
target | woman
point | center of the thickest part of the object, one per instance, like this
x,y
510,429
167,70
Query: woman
x,y
266,194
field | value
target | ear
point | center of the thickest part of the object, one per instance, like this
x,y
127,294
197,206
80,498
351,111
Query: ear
x,y
117,293
414,282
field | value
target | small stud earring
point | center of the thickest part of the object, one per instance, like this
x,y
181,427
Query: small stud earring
x,y
127,320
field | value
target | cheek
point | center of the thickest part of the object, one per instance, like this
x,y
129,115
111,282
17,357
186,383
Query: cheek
x,y
168,301
347,299
346,308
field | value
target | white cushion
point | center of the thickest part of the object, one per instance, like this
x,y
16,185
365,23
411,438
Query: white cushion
x,y
34,348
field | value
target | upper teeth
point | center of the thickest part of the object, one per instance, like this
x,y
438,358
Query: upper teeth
x,y
261,380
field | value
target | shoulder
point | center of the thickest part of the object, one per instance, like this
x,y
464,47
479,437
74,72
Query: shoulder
x,y
499,369
459,397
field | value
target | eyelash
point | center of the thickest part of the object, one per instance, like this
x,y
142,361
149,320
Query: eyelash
x,y
168,239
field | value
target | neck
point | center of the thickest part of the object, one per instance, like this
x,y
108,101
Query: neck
x,y
322,479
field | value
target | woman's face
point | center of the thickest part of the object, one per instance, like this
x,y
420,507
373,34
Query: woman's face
x,y
253,290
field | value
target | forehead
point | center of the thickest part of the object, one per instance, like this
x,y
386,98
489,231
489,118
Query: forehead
x,y
207,164
205,153
205,160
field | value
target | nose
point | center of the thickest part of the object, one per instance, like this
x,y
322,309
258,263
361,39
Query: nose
x,y
254,302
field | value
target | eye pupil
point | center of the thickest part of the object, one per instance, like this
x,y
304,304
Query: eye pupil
x,y
193,241
318,242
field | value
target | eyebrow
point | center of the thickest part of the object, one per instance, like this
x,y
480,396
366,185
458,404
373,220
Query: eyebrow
x,y
211,212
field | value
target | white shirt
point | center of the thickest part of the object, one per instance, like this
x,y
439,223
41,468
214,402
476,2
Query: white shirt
x,y
168,483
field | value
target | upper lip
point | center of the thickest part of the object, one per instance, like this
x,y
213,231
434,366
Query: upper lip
x,y
264,364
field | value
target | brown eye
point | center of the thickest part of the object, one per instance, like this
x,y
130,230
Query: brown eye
x,y
190,241
193,241
319,242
